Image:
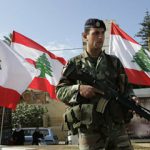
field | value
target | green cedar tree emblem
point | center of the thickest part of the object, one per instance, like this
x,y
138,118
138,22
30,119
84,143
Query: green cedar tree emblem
x,y
142,59
44,65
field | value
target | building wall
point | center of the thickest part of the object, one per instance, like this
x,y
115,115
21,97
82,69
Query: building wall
x,y
55,112
54,118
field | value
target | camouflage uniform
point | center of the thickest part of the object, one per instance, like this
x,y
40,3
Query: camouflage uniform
x,y
100,122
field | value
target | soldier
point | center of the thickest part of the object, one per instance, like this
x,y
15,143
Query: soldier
x,y
99,120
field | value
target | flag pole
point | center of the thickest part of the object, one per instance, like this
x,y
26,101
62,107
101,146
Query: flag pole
x,y
1,131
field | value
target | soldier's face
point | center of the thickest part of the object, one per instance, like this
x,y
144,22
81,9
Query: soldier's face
x,y
95,38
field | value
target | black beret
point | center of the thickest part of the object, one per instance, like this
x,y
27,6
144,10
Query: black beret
x,y
94,23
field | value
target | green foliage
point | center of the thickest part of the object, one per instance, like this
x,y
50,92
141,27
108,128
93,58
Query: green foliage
x,y
44,65
145,30
144,33
28,115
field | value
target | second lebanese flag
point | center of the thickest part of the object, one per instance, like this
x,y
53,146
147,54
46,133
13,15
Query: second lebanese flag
x,y
134,58
49,64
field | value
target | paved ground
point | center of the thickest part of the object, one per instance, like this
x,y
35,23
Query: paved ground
x,y
137,146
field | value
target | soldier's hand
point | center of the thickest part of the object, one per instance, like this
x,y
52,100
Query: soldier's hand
x,y
136,99
88,91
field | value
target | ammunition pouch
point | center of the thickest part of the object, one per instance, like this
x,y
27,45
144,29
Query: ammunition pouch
x,y
101,105
77,116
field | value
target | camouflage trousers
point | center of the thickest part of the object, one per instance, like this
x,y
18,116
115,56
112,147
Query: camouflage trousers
x,y
95,140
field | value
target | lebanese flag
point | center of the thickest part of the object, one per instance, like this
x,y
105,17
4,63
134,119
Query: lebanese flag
x,y
134,58
15,76
50,65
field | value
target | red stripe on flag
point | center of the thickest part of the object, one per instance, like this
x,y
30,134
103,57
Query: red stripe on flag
x,y
118,31
43,85
9,98
137,77
21,39
31,61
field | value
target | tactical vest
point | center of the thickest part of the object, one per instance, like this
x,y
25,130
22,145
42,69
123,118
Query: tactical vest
x,y
90,113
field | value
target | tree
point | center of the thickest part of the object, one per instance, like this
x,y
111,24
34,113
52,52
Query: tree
x,y
28,115
144,32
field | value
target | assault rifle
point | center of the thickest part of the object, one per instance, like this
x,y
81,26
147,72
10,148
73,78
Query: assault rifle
x,y
109,90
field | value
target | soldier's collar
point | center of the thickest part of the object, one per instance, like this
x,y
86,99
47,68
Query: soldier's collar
x,y
86,55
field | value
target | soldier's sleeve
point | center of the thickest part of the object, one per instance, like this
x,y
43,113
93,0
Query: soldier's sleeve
x,y
124,86
67,89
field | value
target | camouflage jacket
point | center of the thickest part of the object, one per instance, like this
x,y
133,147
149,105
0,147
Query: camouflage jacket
x,y
104,67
